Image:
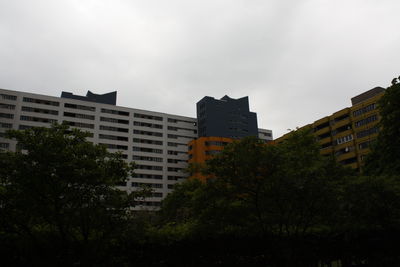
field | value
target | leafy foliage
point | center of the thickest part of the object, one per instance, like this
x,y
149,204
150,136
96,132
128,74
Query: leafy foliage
x,y
385,155
58,192
284,205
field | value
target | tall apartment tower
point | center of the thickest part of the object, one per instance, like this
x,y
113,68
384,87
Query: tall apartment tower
x,y
220,122
226,117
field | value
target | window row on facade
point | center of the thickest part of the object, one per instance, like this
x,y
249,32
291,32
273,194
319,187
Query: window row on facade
x,y
366,120
8,97
88,116
367,132
344,139
6,115
365,109
7,106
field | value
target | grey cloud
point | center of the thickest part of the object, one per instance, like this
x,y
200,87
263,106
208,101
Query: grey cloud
x,y
297,60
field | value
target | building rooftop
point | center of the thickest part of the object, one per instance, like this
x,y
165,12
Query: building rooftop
x,y
108,98
366,95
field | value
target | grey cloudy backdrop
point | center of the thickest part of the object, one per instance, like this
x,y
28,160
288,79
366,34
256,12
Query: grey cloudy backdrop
x,y
296,60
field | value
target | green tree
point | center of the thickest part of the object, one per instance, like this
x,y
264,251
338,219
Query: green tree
x,y
385,155
58,196
289,188
370,220
372,201
278,196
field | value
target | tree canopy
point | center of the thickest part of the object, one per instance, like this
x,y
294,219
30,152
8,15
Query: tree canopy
x,y
58,193
385,155
284,205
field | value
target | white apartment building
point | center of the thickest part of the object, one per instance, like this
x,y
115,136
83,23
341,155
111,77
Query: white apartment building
x,y
156,141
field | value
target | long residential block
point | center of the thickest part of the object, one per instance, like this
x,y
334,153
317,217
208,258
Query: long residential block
x,y
156,141
348,133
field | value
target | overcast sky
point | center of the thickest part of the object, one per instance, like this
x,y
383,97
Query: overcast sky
x,y
297,60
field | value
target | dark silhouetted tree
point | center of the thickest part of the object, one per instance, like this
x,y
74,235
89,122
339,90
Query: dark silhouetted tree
x,y
385,155
59,200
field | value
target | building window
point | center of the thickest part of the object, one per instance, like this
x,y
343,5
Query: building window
x,y
113,137
114,129
176,161
173,169
367,132
115,112
175,144
344,150
4,145
340,118
151,185
41,101
81,107
79,116
146,158
39,110
148,176
215,143
344,139
7,106
149,167
366,120
5,125
363,110
326,145
149,117
174,136
157,194
147,133
6,115
148,203
148,150
8,97
149,125
172,152
36,119
172,128
182,121
24,127
147,141
79,124
175,178
321,126
113,120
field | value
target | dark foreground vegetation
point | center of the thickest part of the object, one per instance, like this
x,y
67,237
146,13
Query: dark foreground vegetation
x,y
274,205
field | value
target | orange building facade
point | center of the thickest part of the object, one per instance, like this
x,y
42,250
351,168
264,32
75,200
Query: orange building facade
x,y
203,149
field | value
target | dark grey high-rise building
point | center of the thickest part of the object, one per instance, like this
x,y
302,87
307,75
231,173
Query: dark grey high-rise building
x,y
226,117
